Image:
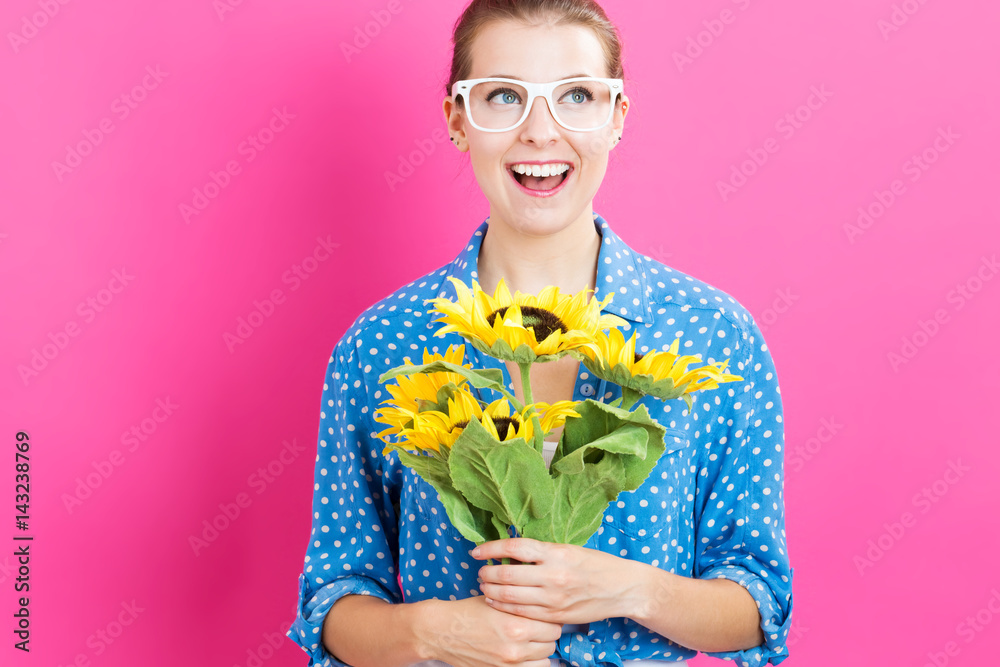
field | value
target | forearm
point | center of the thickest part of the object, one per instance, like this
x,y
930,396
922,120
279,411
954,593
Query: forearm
x,y
700,614
365,631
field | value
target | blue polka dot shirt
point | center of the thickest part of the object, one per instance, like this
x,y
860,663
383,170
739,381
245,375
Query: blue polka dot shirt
x,y
712,507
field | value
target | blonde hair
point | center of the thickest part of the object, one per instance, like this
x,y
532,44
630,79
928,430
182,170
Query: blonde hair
x,y
562,12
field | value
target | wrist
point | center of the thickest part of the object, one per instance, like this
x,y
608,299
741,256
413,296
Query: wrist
x,y
649,594
417,618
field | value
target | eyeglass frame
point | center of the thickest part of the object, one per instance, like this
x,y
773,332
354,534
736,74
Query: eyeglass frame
x,y
534,90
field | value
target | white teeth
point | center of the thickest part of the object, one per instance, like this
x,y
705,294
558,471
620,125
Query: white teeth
x,y
540,170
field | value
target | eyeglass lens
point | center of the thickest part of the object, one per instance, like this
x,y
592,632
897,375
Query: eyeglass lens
x,y
579,105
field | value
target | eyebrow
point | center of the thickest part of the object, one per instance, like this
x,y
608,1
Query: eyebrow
x,y
511,76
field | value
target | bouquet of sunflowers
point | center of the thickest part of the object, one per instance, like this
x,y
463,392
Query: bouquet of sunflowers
x,y
486,461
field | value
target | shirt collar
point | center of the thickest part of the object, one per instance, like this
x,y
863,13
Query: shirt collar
x,y
619,271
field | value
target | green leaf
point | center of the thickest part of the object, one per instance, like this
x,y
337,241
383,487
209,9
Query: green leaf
x,y
433,470
525,355
645,384
508,478
626,439
580,502
473,523
598,420
439,402
501,529
483,378
603,452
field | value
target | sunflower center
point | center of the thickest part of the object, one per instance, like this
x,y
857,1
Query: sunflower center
x,y
504,424
638,356
542,321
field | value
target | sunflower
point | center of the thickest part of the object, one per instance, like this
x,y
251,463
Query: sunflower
x,y
415,392
524,328
432,430
429,430
504,424
660,373
554,415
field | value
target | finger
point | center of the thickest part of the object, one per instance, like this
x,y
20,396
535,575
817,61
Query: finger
x,y
541,662
515,594
515,575
535,612
551,633
540,651
523,549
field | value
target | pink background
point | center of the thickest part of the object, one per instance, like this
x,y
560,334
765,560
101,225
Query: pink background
x,y
833,305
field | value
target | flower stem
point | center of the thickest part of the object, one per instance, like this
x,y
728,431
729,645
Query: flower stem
x,y
629,397
518,405
526,382
505,559
536,426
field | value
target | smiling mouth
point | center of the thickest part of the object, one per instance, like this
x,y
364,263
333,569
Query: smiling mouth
x,y
540,183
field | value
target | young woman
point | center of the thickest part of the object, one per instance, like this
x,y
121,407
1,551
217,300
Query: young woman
x,y
693,560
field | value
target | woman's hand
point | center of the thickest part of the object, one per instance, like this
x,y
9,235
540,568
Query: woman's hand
x,y
469,633
558,583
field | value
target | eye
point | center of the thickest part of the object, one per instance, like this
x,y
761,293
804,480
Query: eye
x,y
503,96
579,95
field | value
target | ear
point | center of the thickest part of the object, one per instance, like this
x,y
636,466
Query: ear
x,y
621,110
455,122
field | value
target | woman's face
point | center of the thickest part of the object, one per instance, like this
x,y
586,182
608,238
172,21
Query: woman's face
x,y
539,54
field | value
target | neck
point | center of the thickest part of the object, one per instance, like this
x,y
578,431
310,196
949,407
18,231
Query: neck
x,y
566,258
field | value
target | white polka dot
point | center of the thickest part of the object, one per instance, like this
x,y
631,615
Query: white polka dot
x,y
712,507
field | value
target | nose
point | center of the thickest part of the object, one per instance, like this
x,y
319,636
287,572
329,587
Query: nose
x,y
540,126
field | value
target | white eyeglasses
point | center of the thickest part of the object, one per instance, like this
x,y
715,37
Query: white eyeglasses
x,y
581,104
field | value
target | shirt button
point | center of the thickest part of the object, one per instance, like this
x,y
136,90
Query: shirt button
x,y
587,389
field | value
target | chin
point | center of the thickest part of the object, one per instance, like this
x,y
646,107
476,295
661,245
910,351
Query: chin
x,y
542,221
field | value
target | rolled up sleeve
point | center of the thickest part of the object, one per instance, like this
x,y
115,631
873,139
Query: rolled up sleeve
x,y
740,516
354,535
